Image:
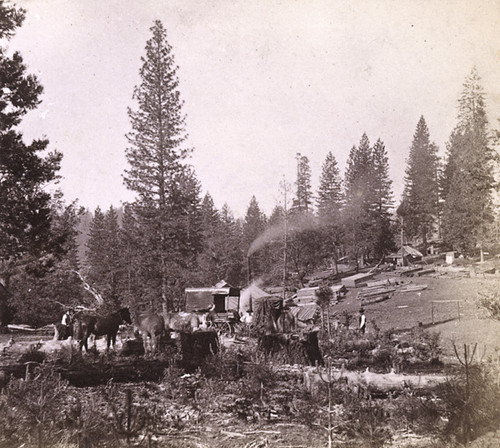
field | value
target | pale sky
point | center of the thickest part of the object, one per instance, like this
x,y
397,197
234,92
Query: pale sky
x,y
262,80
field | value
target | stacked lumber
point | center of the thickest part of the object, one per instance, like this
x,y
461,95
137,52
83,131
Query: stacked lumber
x,y
375,294
410,272
412,288
379,290
355,281
371,292
386,282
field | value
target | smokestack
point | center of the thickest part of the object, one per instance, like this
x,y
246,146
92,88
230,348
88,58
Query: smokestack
x,y
248,270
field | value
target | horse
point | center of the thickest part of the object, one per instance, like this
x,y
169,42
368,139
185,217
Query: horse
x,y
182,321
151,326
101,325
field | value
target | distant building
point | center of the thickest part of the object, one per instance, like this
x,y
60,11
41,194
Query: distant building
x,y
405,256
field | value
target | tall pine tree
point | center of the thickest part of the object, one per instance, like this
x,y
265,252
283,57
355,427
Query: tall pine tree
x,y
359,199
25,169
330,189
383,237
253,226
25,215
167,201
303,195
329,205
468,179
420,202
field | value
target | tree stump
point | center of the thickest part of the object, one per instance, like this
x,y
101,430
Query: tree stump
x,y
292,349
195,347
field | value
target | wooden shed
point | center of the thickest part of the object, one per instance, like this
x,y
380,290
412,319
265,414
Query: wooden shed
x,y
405,256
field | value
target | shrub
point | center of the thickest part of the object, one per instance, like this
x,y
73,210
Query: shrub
x,y
471,400
367,420
31,410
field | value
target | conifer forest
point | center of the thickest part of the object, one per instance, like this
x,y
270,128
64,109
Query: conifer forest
x,y
418,377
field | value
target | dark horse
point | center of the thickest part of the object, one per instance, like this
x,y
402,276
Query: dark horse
x,y
100,326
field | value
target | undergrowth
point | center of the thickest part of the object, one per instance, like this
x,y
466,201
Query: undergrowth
x,y
237,386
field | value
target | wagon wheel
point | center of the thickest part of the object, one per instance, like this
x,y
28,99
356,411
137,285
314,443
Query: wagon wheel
x,y
223,328
227,328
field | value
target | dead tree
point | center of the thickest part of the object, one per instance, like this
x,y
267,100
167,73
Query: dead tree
x,y
95,294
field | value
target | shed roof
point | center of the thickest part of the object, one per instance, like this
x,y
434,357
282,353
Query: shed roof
x,y
405,251
304,312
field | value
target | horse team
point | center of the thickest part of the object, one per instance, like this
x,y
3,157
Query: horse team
x,y
150,326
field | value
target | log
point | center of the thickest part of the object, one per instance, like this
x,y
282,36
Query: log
x,y
425,272
412,288
375,299
129,371
369,292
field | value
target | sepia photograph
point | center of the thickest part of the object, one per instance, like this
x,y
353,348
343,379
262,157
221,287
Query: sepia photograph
x,y
249,224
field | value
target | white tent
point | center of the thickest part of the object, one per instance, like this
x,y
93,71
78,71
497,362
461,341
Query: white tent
x,y
250,295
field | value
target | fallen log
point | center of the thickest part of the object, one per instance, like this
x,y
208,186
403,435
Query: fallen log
x,y
376,299
375,384
425,272
95,374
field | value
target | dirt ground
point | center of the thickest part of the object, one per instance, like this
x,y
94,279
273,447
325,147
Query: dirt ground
x,y
465,322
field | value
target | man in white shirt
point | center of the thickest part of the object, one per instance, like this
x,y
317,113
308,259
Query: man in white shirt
x,y
362,320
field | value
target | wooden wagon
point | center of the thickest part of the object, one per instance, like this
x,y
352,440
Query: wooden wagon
x,y
222,302
224,323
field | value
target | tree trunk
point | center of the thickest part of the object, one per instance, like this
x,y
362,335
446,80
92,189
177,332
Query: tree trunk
x,y
328,319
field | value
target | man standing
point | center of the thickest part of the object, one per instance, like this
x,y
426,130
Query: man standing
x,y
362,321
66,327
